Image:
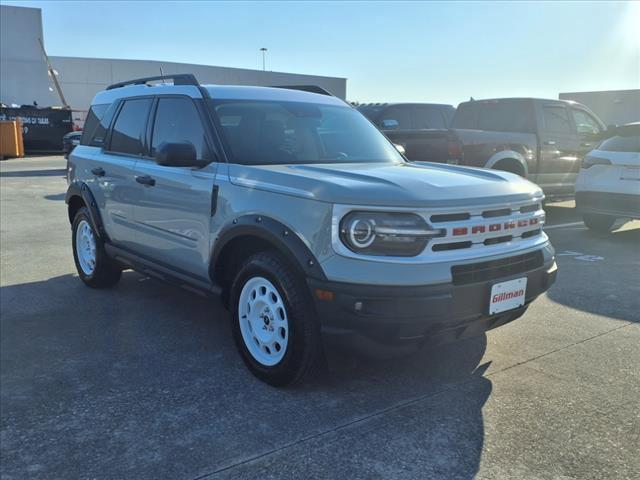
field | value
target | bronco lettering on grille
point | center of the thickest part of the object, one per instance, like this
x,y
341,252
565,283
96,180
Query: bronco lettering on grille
x,y
494,227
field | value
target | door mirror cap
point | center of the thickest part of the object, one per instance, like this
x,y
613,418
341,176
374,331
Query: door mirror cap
x,y
177,154
390,124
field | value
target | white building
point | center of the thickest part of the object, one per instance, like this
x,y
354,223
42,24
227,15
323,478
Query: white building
x,y
614,107
24,76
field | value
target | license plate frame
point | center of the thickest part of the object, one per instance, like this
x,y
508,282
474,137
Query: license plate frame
x,y
507,295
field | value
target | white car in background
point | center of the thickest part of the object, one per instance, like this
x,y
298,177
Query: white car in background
x,y
608,186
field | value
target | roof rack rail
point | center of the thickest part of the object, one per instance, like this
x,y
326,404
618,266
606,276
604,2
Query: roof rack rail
x,y
306,88
178,79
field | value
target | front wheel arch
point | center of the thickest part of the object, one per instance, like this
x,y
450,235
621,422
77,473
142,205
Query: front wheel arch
x,y
250,234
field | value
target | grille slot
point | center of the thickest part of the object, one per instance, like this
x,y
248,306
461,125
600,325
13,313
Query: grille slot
x,y
494,240
494,269
530,208
503,212
440,247
531,233
450,217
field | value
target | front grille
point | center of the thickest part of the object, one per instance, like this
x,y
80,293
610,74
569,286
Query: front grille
x,y
483,227
495,269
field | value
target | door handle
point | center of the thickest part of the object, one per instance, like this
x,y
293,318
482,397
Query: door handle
x,y
550,142
98,171
146,180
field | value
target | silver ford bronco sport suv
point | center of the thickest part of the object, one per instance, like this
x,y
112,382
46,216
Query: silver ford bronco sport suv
x,y
307,221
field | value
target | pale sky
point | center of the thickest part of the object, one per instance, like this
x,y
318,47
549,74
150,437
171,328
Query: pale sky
x,y
413,51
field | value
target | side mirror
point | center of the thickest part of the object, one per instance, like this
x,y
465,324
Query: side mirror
x,y
400,149
389,124
177,154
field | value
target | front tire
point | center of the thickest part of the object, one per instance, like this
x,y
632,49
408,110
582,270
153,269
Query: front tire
x,y
274,323
94,267
599,222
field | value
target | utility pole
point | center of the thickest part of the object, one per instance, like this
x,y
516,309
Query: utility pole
x,y
54,77
264,56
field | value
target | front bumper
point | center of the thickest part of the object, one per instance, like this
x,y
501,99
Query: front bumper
x,y
384,320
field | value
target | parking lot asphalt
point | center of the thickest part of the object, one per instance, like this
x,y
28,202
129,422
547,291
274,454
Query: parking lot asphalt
x,y
143,381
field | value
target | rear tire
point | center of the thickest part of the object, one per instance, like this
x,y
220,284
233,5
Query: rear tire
x,y
94,267
599,222
274,322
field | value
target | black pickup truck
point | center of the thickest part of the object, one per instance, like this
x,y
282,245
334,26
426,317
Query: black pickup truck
x,y
421,128
543,140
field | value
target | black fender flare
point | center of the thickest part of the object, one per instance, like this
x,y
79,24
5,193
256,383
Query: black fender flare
x,y
81,190
287,242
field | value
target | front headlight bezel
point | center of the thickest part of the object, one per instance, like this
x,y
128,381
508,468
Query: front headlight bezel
x,y
385,233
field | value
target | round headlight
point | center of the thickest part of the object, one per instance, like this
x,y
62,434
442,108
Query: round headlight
x,y
361,232
399,234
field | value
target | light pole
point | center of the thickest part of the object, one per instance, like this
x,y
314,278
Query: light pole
x,y
264,55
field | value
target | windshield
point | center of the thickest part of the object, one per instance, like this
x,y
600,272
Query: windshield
x,y
273,132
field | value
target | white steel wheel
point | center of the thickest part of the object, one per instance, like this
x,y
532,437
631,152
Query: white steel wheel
x,y
86,248
263,321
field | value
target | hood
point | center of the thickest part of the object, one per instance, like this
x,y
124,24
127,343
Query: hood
x,y
384,184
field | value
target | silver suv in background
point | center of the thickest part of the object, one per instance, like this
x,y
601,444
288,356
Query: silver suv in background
x,y
304,217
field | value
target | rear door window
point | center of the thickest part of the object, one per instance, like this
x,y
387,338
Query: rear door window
x,y
495,116
400,113
128,129
177,120
504,117
428,117
556,119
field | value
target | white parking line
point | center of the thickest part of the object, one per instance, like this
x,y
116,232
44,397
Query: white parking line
x,y
562,225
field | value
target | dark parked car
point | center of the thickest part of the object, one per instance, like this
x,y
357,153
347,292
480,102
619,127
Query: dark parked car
x,y
542,140
69,142
421,128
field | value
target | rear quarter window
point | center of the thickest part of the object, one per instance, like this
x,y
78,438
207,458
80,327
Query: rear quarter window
x,y
622,143
96,112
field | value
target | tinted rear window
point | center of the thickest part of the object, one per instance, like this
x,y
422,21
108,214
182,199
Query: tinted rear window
x,y
627,140
509,116
96,112
428,117
129,126
399,113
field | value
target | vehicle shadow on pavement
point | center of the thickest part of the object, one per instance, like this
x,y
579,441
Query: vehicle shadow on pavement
x,y
56,197
143,381
607,263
